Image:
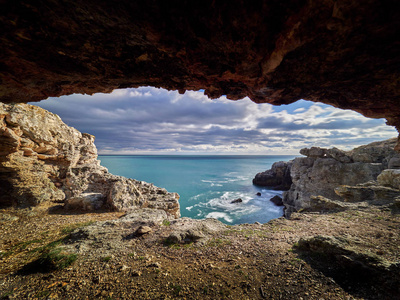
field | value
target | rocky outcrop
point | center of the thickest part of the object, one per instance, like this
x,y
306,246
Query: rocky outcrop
x,y
350,260
42,160
277,178
343,53
323,170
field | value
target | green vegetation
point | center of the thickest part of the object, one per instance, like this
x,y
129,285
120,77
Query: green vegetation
x,y
166,223
56,259
106,258
51,257
176,289
19,247
68,229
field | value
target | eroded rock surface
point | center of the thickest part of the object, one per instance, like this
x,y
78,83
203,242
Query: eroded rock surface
x,y
343,53
42,159
323,170
278,177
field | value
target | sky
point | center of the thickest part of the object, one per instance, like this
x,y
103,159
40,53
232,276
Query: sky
x,y
150,120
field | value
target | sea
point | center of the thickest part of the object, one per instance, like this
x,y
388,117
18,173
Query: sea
x,y
207,184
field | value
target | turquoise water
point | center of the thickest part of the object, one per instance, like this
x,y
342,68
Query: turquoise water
x,y
206,184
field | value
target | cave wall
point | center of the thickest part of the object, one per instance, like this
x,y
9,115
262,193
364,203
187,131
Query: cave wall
x,y
344,53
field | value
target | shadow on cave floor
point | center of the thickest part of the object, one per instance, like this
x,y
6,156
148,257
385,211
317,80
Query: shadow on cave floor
x,y
354,277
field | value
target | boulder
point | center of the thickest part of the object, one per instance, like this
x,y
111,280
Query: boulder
x,y
277,200
86,201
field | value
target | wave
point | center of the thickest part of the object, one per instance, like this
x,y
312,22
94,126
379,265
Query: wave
x,y
220,215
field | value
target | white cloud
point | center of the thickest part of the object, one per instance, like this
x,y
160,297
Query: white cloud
x,y
151,120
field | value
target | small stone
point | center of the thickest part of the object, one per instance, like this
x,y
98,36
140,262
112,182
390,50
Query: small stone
x,y
123,268
144,230
258,194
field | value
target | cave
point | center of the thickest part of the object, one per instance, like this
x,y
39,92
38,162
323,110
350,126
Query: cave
x,y
337,52
343,53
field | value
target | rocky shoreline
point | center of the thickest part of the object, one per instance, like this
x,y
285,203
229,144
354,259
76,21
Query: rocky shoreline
x,y
71,230
366,173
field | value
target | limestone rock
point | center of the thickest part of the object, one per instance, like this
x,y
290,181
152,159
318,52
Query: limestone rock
x,y
370,191
390,178
187,230
45,160
377,152
345,253
143,230
278,177
323,170
86,201
322,204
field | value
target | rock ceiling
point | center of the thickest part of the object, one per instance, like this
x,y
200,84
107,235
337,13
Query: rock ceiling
x,y
343,53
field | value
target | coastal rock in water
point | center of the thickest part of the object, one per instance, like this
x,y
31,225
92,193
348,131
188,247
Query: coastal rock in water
x,y
238,200
323,170
42,160
277,200
278,177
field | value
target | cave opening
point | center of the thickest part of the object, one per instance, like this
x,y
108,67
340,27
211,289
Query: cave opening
x,y
161,136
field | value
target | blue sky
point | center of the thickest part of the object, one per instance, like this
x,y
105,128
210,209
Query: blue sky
x,y
149,120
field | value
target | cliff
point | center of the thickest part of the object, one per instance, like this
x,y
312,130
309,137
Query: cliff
x,y
333,174
277,178
44,160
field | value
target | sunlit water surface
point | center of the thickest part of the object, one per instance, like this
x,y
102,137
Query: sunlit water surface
x,y
206,184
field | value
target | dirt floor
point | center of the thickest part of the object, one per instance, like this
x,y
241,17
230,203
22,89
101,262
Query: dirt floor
x,y
51,254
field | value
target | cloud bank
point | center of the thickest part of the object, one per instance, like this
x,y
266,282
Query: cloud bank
x,y
148,120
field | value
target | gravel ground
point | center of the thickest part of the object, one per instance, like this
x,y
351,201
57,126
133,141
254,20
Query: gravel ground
x,y
109,259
